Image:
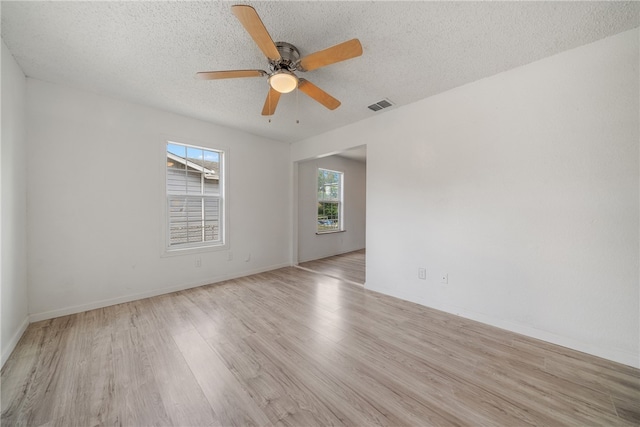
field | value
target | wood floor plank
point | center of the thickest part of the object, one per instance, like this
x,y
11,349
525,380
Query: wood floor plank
x,y
348,266
137,399
231,403
628,409
295,348
437,383
343,402
182,397
100,381
175,317
15,387
379,383
41,395
283,399
280,310
555,401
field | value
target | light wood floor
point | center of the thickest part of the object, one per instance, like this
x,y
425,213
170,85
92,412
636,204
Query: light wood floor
x,y
290,347
349,266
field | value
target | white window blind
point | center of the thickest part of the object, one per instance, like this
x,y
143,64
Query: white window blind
x,y
194,196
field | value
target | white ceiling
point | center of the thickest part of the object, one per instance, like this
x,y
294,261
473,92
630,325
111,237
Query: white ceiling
x,y
148,52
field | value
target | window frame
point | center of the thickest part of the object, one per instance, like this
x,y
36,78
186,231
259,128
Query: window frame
x,y
222,196
339,201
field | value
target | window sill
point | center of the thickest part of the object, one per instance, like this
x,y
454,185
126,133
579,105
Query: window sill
x,y
193,250
319,233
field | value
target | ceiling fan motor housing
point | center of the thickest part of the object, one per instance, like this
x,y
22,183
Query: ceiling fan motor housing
x,y
289,57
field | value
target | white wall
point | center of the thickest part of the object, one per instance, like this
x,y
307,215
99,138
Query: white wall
x,y
312,246
13,209
524,188
96,200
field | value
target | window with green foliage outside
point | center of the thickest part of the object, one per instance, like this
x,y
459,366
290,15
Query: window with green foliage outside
x,y
329,201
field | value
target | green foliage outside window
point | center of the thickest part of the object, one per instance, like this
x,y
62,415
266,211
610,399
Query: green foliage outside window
x,y
329,200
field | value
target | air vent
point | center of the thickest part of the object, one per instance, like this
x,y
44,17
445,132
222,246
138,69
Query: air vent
x,y
380,105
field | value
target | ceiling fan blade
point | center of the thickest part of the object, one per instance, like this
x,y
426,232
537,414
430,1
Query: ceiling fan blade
x,y
231,74
249,18
340,52
318,94
271,102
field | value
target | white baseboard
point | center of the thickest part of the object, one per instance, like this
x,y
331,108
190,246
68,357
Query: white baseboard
x,y
8,349
36,317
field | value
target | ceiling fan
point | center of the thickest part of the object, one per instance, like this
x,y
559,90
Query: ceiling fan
x,y
284,59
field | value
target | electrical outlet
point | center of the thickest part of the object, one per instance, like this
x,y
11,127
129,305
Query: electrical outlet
x,y
198,262
444,278
230,256
422,273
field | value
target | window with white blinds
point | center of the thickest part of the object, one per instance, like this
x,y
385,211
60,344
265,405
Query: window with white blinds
x,y
195,190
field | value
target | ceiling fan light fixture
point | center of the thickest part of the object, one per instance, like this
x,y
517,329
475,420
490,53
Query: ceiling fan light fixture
x,y
284,60
283,81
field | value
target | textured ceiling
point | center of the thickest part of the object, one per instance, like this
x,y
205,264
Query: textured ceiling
x,y
148,52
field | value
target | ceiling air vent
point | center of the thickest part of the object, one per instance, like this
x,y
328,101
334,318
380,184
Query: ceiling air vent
x,y
380,105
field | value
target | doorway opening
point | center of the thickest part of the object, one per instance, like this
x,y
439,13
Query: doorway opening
x,y
338,250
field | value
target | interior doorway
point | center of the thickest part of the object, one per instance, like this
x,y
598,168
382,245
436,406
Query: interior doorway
x,y
339,250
